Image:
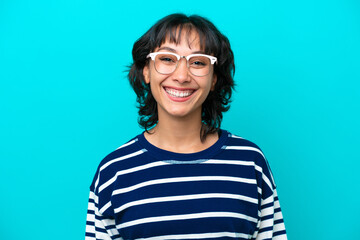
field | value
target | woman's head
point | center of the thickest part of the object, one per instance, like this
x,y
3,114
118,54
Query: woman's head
x,y
173,29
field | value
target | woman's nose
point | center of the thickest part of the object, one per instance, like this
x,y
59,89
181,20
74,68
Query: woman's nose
x,y
181,73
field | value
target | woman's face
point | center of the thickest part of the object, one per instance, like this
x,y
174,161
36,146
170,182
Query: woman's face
x,y
179,94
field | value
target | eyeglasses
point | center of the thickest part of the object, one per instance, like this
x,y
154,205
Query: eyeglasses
x,y
167,62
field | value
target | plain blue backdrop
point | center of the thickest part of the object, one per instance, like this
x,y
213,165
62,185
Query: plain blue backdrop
x,y
65,103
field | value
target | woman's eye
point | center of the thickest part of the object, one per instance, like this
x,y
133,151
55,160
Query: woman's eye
x,y
166,59
199,63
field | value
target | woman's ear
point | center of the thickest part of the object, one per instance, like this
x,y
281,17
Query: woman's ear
x,y
146,74
214,80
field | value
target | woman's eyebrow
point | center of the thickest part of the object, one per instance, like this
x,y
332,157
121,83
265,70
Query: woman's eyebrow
x,y
202,52
174,51
167,48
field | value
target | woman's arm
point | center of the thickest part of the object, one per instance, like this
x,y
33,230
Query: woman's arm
x,y
271,224
97,226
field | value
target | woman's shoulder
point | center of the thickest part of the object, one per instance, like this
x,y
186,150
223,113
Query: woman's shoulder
x,y
125,151
247,149
239,141
117,160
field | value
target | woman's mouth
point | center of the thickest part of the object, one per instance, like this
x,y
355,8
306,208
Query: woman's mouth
x,y
176,93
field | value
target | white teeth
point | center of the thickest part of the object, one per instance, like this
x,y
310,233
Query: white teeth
x,y
178,93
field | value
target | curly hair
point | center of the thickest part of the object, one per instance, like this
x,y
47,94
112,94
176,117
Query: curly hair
x,y
212,42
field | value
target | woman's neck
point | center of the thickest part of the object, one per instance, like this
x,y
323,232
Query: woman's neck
x,y
180,136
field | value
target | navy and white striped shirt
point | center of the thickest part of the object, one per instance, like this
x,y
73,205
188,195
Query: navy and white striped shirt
x,y
224,192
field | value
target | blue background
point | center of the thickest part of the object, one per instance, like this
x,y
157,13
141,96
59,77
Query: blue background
x,y
65,103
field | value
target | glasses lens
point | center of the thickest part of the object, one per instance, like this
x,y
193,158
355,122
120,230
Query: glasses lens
x,y
165,63
199,65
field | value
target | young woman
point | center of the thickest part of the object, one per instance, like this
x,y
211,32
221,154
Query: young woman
x,y
184,177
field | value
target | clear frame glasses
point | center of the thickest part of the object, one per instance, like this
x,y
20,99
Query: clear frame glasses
x,y
167,62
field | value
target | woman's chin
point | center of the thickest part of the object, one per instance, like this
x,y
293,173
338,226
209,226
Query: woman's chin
x,y
180,113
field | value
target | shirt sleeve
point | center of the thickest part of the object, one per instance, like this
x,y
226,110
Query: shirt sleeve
x,y
270,220
98,225
271,224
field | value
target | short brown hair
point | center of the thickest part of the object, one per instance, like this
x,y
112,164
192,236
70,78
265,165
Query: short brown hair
x,y
211,41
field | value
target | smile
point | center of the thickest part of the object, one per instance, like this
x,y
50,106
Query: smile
x,y
179,93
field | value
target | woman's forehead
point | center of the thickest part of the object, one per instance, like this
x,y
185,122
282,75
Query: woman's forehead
x,y
184,36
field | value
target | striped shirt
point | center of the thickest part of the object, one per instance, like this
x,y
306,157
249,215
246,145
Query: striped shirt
x,y
224,192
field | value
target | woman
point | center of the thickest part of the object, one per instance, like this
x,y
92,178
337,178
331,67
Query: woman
x,y
184,177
